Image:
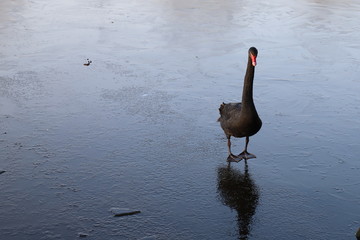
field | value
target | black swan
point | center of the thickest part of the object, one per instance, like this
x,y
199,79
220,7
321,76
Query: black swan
x,y
241,119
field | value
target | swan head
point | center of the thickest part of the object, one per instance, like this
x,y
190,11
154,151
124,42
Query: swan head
x,y
253,52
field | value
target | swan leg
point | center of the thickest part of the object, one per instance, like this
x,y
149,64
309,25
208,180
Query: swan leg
x,y
245,154
231,157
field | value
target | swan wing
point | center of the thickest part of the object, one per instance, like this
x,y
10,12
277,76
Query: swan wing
x,y
229,110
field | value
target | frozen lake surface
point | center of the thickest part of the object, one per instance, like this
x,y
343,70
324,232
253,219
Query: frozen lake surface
x,y
137,128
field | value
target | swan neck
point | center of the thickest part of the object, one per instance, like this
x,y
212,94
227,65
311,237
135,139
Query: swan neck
x,y
247,97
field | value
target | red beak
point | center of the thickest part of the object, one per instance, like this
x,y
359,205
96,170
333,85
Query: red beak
x,y
253,59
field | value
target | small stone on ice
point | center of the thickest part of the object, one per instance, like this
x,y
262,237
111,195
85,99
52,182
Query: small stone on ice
x,y
118,212
83,235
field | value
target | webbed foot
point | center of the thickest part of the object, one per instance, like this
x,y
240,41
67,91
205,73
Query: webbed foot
x,y
233,158
246,155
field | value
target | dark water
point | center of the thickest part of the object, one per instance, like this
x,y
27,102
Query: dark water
x,y
137,128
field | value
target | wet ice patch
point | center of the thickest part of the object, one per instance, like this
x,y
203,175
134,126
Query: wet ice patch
x,y
7,106
23,85
153,105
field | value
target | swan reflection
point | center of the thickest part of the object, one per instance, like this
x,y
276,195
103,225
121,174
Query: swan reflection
x,y
238,191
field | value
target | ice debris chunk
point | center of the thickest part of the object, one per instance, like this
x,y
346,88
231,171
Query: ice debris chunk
x,y
119,212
